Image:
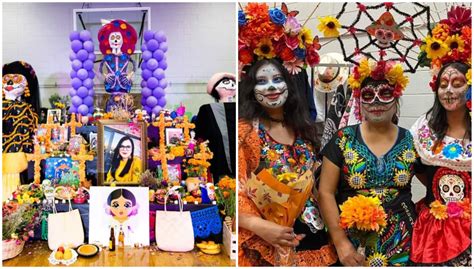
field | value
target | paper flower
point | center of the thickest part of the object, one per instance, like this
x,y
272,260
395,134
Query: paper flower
x,y
440,31
242,18
438,210
329,26
457,17
277,16
265,49
362,213
292,26
434,48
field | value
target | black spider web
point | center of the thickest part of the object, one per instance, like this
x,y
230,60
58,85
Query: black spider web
x,y
401,52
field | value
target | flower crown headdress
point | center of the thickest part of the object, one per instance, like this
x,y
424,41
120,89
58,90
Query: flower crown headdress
x,y
449,41
381,70
275,33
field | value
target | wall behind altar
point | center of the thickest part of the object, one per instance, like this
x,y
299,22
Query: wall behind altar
x,y
201,41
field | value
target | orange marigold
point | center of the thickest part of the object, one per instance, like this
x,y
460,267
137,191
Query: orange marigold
x,y
362,213
438,210
440,31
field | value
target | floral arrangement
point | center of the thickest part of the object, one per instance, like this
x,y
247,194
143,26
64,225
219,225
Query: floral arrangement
x,y
458,209
363,217
275,33
59,102
19,221
196,168
450,41
391,71
28,194
226,197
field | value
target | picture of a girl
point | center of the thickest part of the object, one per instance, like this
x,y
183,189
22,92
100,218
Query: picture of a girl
x,y
125,168
122,206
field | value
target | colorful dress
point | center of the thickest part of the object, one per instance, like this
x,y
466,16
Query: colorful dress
x,y
388,177
258,152
442,232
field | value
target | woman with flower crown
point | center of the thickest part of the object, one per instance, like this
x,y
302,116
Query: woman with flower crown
x,y
279,221
442,232
373,158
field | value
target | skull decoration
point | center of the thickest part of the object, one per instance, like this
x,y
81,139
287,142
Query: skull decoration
x,y
385,30
451,188
312,218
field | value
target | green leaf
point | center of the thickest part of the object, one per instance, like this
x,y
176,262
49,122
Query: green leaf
x,y
371,240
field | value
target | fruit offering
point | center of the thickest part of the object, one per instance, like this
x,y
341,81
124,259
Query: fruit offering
x,y
209,247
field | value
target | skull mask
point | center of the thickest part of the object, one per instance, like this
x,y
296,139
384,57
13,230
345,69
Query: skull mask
x,y
384,37
116,42
451,188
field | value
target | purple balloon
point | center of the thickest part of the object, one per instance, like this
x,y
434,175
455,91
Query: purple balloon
x,y
82,92
72,74
82,73
74,35
88,65
76,83
76,65
72,56
72,109
159,73
143,101
82,55
83,109
143,66
85,35
156,110
148,35
91,92
91,74
143,84
152,82
88,83
88,46
147,108
144,47
158,92
152,64
160,36
76,45
163,83
164,46
158,55
72,92
88,101
163,65
76,100
146,74
146,55
151,101
146,92
152,45
91,56
91,110
162,101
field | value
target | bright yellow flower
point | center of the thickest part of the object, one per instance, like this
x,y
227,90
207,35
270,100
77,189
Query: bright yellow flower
x,y
409,155
305,37
365,68
434,48
455,42
402,178
396,76
357,181
265,49
353,83
438,210
377,260
362,213
329,26
469,76
350,156
289,176
272,155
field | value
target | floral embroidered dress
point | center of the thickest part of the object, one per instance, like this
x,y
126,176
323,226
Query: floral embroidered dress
x,y
442,232
389,178
284,164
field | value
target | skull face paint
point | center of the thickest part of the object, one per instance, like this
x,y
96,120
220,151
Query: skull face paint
x,y
451,188
270,90
452,89
14,86
116,42
226,90
378,103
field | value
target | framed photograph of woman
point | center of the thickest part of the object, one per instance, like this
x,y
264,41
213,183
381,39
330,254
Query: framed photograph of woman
x,y
121,151
54,116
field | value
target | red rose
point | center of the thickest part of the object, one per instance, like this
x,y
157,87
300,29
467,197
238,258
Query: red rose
x,y
286,54
292,42
312,56
245,56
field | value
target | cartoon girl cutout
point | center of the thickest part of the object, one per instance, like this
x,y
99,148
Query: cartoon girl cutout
x,y
122,206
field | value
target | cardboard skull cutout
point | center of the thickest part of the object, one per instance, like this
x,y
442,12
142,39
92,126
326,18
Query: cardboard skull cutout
x,y
385,30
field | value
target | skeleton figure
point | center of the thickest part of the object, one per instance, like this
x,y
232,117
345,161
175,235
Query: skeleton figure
x,y
451,188
385,30
312,218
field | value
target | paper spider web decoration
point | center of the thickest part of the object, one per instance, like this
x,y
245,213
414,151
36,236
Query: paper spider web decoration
x,y
404,50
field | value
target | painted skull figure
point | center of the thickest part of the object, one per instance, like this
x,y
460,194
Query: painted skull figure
x,y
385,30
116,42
226,90
452,89
384,37
271,90
451,188
14,86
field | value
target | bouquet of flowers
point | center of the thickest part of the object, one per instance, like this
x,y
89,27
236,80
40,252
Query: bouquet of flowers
x,y
226,197
28,194
19,220
363,217
269,33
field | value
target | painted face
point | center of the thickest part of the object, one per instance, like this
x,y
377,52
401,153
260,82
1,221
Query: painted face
x,y
125,149
121,208
115,41
270,90
226,90
13,86
452,89
378,103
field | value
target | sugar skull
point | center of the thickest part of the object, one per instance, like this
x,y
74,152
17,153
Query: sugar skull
x,y
451,188
385,30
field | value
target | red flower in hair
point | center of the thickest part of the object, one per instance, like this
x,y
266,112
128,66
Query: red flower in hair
x,y
379,72
312,56
458,16
433,83
245,56
286,54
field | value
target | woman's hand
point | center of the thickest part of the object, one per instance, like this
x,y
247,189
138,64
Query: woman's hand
x,y
277,235
347,254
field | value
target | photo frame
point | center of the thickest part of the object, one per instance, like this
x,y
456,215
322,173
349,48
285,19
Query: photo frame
x,y
55,115
93,141
171,134
121,146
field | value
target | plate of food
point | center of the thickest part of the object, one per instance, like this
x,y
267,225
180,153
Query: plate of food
x,y
63,255
87,250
